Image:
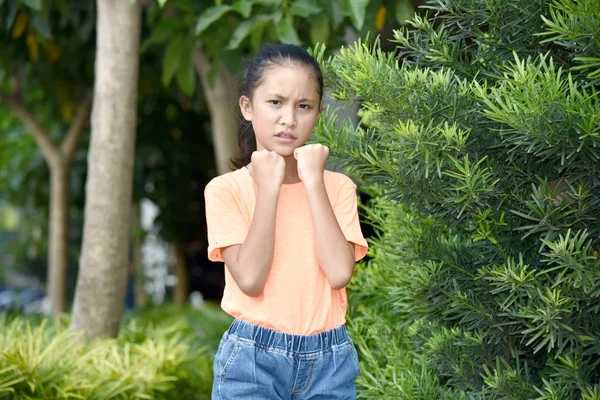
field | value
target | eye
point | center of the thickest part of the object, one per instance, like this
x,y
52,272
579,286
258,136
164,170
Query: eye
x,y
304,106
275,102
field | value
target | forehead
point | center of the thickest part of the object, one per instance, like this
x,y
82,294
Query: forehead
x,y
290,81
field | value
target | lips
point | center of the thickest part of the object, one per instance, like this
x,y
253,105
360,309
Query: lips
x,y
286,135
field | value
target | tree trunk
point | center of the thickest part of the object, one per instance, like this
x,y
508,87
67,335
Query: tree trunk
x,y
222,102
58,240
183,277
59,162
101,284
138,267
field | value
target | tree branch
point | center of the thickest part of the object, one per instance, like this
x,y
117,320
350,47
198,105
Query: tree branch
x,y
82,117
14,103
203,66
222,88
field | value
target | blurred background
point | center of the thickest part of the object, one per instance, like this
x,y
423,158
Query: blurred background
x,y
190,55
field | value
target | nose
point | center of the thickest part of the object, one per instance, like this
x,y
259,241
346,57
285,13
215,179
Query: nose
x,y
288,117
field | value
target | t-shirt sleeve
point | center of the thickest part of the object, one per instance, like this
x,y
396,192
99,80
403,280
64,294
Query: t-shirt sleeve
x,y
225,223
346,213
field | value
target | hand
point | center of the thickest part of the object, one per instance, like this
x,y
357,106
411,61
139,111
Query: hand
x,y
311,162
267,169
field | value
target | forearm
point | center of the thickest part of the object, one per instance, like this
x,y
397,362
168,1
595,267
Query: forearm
x,y
335,254
255,255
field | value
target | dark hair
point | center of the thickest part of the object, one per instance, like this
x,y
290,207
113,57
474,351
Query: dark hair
x,y
270,56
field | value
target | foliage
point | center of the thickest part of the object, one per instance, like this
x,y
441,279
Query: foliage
x,y
46,64
480,145
158,355
230,30
48,56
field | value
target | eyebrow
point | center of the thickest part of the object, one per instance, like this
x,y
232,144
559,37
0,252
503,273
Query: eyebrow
x,y
278,96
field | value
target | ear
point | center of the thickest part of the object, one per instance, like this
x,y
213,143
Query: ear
x,y
320,111
246,107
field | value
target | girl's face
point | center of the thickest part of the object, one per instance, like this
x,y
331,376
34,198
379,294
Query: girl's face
x,y
284,109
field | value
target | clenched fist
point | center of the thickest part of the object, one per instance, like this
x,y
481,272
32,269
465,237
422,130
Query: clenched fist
x,y
267,169
311,162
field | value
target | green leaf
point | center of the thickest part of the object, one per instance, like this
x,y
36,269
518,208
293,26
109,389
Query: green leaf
x,y
356,10
172,58
232,61
186,76
161,3
33,4
163,31
246,28
334,11
404,11
257,39
185,5
186,79
12,14
305,8
209,16
286,32
319,30
243,7
41,26
268,2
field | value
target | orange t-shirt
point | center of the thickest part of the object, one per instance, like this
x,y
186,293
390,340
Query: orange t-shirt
x,y
297,297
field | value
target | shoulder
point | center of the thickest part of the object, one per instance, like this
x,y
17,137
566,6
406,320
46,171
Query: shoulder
x,y
229,181
337,180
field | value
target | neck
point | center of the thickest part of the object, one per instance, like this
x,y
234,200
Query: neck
x,y
291,170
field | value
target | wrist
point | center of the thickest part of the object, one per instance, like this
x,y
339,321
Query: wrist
x,y
314,182
269,190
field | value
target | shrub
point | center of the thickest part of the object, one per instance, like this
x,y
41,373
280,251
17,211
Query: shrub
x,y
479,143
159,354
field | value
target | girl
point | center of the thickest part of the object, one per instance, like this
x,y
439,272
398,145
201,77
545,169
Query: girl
x,y
289,235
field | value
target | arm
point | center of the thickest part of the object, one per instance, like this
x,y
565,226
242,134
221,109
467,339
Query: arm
x,y
250,262
334,252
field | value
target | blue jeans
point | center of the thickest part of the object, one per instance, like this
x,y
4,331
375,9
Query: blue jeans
x,y
257,363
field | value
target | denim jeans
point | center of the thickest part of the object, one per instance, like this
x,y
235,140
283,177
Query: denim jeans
x,y
257,363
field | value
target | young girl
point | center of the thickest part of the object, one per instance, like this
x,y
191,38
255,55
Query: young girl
x,y
289,235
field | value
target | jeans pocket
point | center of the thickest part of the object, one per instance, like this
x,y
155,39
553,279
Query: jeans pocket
x,y
230,351
354,353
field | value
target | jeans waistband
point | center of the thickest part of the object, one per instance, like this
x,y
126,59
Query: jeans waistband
x,y
272,339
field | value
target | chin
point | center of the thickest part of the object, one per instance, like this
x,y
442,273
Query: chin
x,y
285,152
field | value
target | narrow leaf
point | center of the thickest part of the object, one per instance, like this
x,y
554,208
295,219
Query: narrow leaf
x,y
209,16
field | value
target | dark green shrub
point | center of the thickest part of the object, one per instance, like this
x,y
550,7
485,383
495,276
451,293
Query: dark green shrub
x,y
479,143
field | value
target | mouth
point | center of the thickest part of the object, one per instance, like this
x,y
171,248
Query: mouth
x,y
286,135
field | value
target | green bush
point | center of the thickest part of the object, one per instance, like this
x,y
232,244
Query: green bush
x,y
160,354
479,144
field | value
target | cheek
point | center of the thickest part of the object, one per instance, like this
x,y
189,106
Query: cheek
x,y
264,115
